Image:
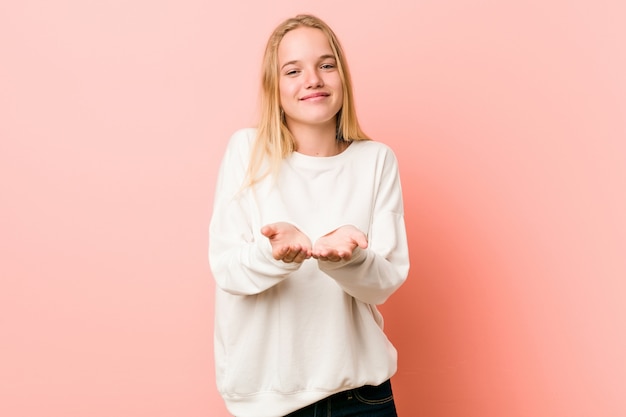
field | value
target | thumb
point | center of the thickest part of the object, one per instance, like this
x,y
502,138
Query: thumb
x,y
361,241
268,230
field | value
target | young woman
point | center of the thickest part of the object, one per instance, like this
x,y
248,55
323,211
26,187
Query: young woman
x,y
307,237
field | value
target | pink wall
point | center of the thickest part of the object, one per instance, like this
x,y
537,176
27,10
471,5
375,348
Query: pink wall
x,y
509,119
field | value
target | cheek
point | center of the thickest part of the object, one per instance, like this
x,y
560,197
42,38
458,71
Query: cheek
x,y
285,89
338,85
339,89
281,91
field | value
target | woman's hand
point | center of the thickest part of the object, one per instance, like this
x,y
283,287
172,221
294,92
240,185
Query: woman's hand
x,y
289,244
339,244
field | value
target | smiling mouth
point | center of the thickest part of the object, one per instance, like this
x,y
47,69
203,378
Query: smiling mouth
x,y
315,95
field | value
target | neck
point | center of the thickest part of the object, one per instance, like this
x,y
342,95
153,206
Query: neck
x,y
317,141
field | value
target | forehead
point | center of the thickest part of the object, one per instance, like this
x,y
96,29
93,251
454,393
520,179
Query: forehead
x,y
303,43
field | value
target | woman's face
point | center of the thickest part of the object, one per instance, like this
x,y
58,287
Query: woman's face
x,y
309,84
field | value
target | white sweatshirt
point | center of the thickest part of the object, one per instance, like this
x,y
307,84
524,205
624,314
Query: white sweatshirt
x,y
288,334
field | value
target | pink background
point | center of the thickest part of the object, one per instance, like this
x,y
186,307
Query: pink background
x,y
509,120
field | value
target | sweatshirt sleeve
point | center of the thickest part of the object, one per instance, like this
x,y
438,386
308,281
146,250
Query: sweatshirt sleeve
x,y
240,257
373,274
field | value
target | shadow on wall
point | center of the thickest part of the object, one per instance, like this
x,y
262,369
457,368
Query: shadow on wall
x,y
455,322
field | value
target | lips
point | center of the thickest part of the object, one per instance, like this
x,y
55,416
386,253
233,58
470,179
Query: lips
x,y
314,95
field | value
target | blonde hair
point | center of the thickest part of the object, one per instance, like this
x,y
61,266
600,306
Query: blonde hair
x,y
274,141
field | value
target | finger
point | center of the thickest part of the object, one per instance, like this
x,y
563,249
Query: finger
x,y
300,257
305,253
287,256
346,256
292,253
330,256
279,253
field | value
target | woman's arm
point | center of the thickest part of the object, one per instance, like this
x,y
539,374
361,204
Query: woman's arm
x,y
373,273
240,257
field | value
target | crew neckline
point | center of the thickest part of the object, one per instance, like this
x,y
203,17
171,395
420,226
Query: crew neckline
x,y
314,157
320,162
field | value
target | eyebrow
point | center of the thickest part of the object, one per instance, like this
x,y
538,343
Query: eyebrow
x,y
321,58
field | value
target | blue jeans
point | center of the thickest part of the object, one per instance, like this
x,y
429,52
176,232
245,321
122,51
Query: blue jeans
x,y
367,401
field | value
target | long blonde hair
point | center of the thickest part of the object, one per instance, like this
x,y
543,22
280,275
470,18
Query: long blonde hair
x,y
274,141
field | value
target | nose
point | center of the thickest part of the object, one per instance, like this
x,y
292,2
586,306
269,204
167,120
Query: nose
x,y
314,79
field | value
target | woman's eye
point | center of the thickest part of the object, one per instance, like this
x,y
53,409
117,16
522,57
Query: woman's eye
x,y
291,72
328,66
